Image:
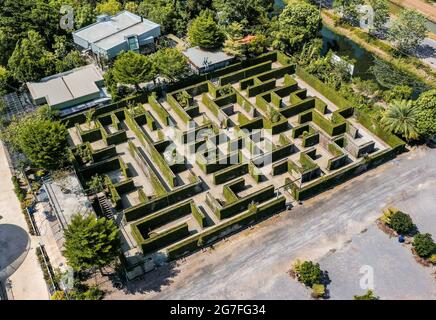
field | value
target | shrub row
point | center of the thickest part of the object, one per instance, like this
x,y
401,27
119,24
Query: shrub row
x,y
165,238
230,173
215,233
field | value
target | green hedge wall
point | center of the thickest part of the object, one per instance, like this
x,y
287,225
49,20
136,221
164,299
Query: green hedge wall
x,y
177,108
245,73
230,173
160,110
310,140
161,218
322,88
242,204
280,167
262,87
105,153
298,108
328,126
198,215
162,202
163,239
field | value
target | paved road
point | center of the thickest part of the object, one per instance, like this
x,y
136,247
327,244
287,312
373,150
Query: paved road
x,y
27,281
253,264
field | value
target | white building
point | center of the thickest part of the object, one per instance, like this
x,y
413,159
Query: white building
x,y
112,34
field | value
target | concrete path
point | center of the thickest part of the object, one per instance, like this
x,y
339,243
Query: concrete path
x,y
27,281
254,263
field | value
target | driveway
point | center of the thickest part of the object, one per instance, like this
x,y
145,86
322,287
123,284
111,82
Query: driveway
x,y
254,263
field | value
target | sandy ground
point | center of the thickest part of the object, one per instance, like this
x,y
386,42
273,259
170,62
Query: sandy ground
x,y
27,282
254,263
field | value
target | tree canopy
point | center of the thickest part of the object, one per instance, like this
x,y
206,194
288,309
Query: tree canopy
x,y
133,68
426,113
42,140
408,31
401,118
90,242
205,32
170,63
298,24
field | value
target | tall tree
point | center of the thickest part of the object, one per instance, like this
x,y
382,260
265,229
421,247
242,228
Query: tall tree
x,y
408,31
42,140
170,63
426,113
4,79
252,14
30,60
401,118
298,24
133,68
205,32
90,242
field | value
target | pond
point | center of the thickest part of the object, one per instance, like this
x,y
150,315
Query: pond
x,y
343,46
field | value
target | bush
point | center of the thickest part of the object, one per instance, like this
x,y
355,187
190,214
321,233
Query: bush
x,y
401,223
318,291
309,273
424,245
369,295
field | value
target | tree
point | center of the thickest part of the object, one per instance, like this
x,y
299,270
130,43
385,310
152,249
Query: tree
x,y
131,6
83,15
298,24
381,14
252,14
133,68
205,32
166,13
349,10
424,245
425,107
401,118
4,80
110,7
171,63
309,273
90,242
43,141
30,60
369,295
408,31
401,222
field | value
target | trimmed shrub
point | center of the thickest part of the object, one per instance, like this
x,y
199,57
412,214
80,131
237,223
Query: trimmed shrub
x,y
309,273
401,223
424,245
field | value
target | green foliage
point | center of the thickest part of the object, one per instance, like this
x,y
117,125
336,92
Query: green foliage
x,y
30,59
381,14
58,295
401,92
408,31
424,245
43,141
4,80
110,7
205,32
401,118
96,184
171,63
401,222
133,68
425,107
19,192
309,273
299,23
349,10
252,14
318,290
90,242
369,295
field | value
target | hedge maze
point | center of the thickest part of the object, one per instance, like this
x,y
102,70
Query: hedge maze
x,y
222,151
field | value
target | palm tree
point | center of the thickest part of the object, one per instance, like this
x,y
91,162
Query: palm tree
x,y
400,118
